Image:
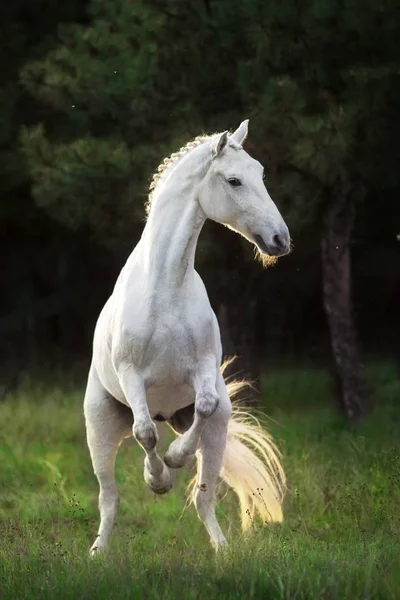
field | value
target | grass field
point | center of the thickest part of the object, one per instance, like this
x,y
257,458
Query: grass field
x,y
340,538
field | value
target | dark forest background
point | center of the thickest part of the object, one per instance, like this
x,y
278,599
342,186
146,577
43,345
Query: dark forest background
x,y
94,95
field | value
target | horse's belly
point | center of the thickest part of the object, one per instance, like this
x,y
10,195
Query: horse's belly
x,y
165,400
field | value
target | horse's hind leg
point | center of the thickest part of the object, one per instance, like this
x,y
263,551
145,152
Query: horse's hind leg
x,y
107,423
210,455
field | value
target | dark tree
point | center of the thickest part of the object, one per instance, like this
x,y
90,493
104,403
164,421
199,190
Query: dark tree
x,y
93,102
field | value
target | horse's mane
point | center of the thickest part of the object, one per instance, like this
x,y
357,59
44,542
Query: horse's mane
x,y
169,161
174,158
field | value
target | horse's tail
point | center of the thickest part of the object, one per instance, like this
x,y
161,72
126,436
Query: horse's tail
x,y
251,465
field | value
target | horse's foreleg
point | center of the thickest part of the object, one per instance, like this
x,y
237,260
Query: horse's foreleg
x,y
156,473
210,455
206,403
107,424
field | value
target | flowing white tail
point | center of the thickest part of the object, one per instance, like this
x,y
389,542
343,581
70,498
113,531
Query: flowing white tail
x,y
251,464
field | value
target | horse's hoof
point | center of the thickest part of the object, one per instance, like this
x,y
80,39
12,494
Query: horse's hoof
x,y
220,546
159,484
175,457
95,551
176,461
160,491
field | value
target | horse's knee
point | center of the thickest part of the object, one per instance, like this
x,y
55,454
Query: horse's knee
x,y
222,411
146,434
206,403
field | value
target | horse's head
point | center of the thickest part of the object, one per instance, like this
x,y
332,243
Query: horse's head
x,y
233,193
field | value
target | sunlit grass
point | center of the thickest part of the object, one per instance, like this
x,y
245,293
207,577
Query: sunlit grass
x,y
340,537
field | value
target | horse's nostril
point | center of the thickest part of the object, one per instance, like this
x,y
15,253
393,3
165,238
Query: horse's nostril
x,y
278,241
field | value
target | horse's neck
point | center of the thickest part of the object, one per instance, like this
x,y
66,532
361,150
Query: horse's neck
x,y
169,240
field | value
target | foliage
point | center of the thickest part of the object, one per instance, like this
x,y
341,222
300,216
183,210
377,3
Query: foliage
x,y
314,79
96,94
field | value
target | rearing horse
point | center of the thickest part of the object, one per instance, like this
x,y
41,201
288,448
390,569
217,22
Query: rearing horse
x,y
157,347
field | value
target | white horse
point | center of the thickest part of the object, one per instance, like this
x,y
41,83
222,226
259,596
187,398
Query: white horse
x,y
157,348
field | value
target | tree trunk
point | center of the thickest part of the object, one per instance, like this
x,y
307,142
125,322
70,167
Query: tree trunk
x,y
338,221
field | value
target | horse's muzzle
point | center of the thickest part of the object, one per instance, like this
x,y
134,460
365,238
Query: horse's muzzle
x,y
279,247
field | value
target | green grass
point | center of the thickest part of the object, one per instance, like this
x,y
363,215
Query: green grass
x,y
340,538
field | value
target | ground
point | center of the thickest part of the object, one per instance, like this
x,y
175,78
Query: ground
x,y
340,538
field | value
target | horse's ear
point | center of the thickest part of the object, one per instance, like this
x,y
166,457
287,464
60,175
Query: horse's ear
x,y
241,132
220,143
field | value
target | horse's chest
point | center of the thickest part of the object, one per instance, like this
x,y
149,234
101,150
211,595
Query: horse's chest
x,y
166,337
172,349
166,349
174,332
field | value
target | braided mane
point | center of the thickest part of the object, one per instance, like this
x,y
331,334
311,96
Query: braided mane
x,y
170,160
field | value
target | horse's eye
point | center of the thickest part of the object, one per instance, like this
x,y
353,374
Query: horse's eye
x,y
234,182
